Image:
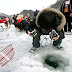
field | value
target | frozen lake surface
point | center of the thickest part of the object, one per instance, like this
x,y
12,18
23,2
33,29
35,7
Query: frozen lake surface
x,y
24,61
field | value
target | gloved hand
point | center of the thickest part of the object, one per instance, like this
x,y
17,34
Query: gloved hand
x,y
54,35
32,33
55,38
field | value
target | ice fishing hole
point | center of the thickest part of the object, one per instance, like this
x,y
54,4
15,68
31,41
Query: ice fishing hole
x,y
55,61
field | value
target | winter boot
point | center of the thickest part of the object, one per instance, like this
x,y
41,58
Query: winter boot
x,y
33,49
59,46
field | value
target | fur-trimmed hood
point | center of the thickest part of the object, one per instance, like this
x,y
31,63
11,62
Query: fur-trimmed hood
x,y
63,19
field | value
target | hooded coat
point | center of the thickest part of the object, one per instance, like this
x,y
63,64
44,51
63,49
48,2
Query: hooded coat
x,y
48,22
54,20
60,18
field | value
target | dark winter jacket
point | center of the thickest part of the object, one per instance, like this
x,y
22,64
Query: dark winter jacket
x,y
59,17
35,13
31,26
58,24
63,7
14,18
24,23
21,23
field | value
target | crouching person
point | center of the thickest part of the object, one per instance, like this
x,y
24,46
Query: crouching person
x,y
47,20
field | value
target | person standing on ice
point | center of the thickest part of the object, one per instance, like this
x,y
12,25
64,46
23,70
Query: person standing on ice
x,y
45,21
66,9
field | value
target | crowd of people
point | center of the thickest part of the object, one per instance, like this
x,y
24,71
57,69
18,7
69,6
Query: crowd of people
x,y
6,21
66,9
20,21
44,22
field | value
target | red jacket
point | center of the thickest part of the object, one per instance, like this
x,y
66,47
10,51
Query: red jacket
x,y
18,21
2,20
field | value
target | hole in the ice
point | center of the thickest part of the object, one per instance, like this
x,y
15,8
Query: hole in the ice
x,y
55,61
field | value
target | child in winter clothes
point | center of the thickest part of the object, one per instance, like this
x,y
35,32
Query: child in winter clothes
x,y
45,21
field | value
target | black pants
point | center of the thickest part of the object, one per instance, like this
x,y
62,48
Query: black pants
x,y
36,40
67,15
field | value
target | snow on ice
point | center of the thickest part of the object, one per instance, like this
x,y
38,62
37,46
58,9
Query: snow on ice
x,y
24,61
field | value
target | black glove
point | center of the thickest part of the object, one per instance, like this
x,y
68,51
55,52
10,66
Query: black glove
x,y
54,35
32,33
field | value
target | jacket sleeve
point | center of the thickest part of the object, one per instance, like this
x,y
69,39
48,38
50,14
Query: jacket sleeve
x,y
70,8
61,34
62,8
31,26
